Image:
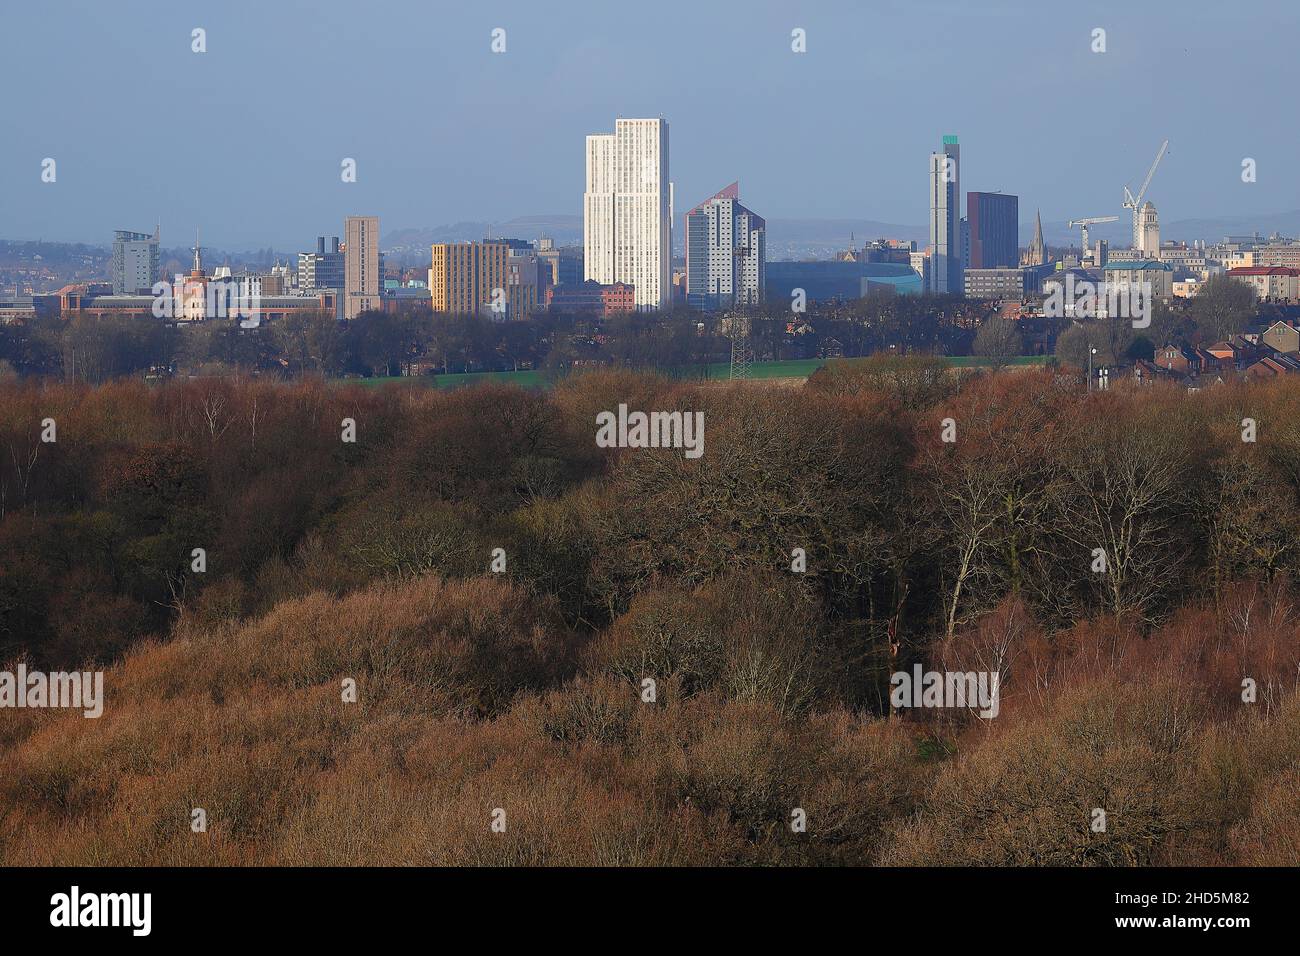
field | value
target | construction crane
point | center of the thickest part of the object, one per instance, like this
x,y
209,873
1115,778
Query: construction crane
x,y
1083,225
1135,202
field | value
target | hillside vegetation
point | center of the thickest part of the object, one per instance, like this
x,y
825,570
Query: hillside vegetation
x,y
330,562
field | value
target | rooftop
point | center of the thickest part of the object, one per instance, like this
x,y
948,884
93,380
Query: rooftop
x,y
1263,271
1142,264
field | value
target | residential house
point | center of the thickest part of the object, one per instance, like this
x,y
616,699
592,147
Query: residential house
x,y
1178,358
1271,366
1282,337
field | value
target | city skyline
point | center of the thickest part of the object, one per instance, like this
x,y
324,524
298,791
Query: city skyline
x,y
852,96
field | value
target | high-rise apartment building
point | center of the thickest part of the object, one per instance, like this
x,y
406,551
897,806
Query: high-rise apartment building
x,y
994,230
726,253
135,262
627,210
945,218
361,266
468,278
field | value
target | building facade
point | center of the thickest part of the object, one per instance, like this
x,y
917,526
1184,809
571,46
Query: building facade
x,y
561,265
1146,242
726,253
1004,283
1276,283
627,210
362,275
469,278
994,230
1132,273
1283,337
526,280
945,218
592,297
920,263
323,269
1285,255
135,262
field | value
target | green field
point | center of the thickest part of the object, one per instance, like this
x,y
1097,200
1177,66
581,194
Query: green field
x,y
716,371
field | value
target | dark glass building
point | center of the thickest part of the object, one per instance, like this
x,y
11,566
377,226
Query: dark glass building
x,y
994,230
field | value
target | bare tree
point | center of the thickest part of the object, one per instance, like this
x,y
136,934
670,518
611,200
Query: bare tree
x,y
999,339
1127,481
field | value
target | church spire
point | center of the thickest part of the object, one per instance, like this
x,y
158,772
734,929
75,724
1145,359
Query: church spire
x,y
1036,254
198,255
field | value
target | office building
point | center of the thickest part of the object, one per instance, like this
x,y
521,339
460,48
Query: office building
x,y
323,269
627,210
1000,283
135,262
561,265
994,230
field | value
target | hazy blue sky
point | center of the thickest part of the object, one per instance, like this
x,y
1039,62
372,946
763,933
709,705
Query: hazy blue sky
x,y
245,140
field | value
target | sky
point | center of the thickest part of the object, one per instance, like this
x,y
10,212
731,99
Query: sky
x,y
245,141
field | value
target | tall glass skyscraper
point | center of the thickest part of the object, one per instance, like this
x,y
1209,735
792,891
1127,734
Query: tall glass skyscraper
x,y
945,219
994,230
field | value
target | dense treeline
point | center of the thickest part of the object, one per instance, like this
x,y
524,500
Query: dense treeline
x,y
96,350
679,342
1122,688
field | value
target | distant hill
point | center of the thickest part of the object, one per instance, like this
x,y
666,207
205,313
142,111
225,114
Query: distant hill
x,y
803,238
820,238
786,238
565,230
